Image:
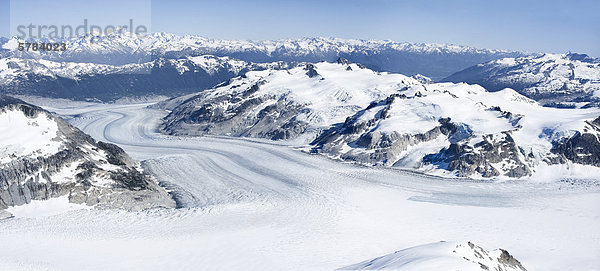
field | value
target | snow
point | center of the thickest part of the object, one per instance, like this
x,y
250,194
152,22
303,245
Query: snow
x,y
589,71
413,156
252,204
11,44
506,61
45,208
421,115
66,174
435,256
133,49
211,64
546,76
533,127
330,97
23,136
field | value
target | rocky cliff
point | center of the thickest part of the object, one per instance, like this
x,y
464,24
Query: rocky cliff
x,y
42,157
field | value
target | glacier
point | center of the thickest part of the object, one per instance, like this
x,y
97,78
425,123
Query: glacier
x,y
254,204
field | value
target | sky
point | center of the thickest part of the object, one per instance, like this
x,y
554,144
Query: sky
x,y
526,25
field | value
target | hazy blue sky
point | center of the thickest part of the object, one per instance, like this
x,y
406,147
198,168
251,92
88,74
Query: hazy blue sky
x,y
536,25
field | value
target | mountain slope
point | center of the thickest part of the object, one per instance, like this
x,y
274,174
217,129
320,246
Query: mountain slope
x,y
283,104
556,80
443,256
351,113
43,157
463,130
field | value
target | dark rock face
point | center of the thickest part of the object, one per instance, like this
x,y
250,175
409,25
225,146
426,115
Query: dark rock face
x,y
583,147
114,155
481,158
343,61
510,261
277,121
30,178
382,148
230,114
17,187
311,71
358,140
504,262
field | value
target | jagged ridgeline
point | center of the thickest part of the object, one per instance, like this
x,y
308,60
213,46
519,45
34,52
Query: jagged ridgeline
x,y
114,66
43,157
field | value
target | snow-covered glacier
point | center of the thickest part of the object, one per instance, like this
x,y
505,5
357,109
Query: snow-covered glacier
x,y
278,155
255,204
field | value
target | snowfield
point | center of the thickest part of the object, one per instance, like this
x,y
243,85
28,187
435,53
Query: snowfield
x,y
40,132
251,204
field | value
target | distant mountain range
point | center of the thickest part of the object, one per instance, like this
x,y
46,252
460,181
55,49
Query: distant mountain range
x,y
569,80
433,60
118,65
169,77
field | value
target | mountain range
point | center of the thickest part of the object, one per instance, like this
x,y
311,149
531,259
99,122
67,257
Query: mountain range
x,y
432,60
528,113
110,67
568,80
348,112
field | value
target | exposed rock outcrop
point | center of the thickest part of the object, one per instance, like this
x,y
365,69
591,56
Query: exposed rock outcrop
x,y
493,156
583,147
460,133
89,172
374,147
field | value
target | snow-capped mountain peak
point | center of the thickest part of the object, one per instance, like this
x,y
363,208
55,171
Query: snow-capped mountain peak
x,y
310,96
